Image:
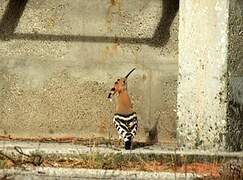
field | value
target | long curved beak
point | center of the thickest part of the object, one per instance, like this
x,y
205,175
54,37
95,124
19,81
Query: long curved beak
x,y
130,72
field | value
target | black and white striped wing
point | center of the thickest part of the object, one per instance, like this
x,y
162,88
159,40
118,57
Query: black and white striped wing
x,y
126,125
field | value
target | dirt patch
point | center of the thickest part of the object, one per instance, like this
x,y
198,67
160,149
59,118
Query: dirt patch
x,y
209,169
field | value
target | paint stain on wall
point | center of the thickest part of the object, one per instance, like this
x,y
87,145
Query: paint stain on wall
x,y
114,8
110,51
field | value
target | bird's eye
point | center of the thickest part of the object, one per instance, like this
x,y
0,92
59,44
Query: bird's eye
x,y
118,79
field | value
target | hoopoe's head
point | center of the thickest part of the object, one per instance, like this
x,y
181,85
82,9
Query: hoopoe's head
x,y
119,86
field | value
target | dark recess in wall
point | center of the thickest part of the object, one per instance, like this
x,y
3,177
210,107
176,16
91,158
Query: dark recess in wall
x,y
234,128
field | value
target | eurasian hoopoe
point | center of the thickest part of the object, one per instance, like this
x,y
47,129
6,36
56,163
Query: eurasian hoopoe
x,y
125,119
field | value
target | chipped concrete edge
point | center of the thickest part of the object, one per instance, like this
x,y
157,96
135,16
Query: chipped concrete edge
x,y
42,173
74,150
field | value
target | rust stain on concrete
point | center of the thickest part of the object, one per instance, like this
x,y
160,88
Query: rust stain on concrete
x,y
113,8
110,51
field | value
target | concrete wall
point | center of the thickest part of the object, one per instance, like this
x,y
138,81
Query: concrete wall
x,y
203,41
210,80
61,57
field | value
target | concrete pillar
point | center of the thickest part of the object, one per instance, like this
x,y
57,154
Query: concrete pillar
x,y
202,81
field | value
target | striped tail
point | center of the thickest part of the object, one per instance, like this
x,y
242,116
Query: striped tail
x,y
126,126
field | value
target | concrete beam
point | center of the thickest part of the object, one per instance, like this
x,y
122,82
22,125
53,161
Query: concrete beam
x,y
210,95
203,66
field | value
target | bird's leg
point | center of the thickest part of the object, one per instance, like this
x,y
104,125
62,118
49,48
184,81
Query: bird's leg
x,y
120,142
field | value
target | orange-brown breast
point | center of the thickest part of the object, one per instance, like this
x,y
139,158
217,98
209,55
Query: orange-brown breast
x,y
124,105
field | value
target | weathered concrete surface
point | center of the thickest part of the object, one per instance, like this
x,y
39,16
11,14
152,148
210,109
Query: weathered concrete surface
x,y
72,150
59,64
234,135
210,80
62,173
202,81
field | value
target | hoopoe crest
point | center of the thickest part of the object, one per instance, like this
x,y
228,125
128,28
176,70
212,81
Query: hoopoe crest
x,y
125,119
